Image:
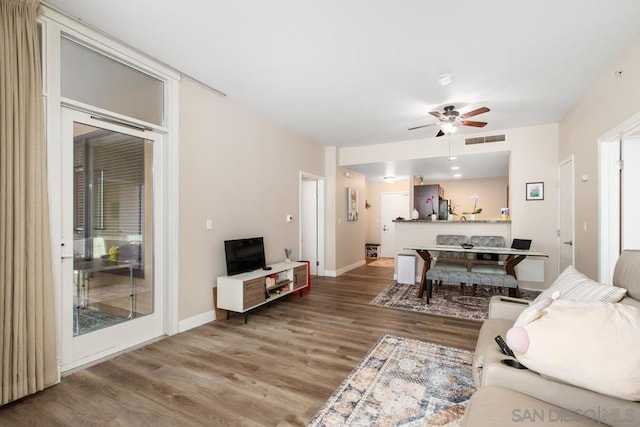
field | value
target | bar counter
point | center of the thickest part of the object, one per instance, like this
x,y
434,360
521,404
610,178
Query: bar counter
x,y
474,221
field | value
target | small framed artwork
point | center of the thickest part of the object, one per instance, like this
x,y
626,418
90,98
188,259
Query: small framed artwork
x,y
352,204
535,190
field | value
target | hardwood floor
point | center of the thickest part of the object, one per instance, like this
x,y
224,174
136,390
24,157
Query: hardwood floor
x,y
276,370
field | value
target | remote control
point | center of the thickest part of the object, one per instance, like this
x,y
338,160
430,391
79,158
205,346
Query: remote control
x,y
504,347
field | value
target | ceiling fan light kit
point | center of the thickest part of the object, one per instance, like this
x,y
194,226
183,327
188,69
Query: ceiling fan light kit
x,y
450,120
449,128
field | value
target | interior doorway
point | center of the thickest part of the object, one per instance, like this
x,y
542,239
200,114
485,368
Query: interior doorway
x,y
312,222
566,217
629,203
619,163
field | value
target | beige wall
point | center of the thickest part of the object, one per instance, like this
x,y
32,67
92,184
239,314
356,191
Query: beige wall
x,y
349,235
242,171
492,194
330,221
534,158
608,103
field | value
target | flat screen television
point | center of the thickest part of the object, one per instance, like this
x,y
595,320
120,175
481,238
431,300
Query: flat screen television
x,y
244,255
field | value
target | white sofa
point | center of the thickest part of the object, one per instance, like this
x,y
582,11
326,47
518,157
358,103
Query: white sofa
x,y
506,394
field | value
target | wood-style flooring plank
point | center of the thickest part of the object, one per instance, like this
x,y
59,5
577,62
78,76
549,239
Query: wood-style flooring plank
x,y
276,370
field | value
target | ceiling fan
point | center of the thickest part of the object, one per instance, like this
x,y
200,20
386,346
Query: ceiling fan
x,y
450,119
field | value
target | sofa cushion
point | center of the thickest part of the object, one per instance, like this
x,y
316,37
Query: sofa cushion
x,y
496,407
575,286
590,345
606,409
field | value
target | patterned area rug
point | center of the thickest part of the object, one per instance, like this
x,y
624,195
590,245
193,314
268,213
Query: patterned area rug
x,y
88,319
402,382
446,302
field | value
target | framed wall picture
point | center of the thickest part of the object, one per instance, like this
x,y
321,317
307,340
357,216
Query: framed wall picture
x,y
535,190
352,204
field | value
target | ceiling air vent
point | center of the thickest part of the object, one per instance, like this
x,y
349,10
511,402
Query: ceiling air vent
x,y
484,139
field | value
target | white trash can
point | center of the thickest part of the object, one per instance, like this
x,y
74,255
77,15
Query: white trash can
x,y
406,271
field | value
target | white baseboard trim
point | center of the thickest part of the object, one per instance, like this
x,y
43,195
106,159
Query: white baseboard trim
x,y
395,277
336,273
350,267
195,321
330,273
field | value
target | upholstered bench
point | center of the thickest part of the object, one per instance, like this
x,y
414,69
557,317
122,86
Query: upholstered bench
x,y
469,277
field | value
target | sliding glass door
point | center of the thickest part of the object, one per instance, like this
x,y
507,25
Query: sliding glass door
x,y
111,297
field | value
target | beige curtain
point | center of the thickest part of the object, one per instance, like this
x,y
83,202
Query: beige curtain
x,y
27,324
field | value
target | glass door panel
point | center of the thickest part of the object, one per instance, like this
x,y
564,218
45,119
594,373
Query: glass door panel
x,y
113,282
108,207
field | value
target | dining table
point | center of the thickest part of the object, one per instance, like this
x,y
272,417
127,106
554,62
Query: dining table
x,y
510,258
83,270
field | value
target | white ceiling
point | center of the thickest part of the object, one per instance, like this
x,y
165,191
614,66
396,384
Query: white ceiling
x,y
359,72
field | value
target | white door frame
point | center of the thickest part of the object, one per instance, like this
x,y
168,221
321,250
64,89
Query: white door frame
x,y
320,228
609,208
629,203
609,196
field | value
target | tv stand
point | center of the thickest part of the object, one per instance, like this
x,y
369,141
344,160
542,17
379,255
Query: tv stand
x,y
243,292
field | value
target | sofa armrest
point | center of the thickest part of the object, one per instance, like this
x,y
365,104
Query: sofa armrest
x,y
508,308
486,346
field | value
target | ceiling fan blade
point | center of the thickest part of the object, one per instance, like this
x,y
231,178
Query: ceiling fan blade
x,y
438,115
423,126
472,123
440,133
475,112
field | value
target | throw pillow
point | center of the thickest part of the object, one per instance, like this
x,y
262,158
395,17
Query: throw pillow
x,y
575,286
590,345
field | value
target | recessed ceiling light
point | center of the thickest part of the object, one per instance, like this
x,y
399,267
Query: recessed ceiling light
x,y
457,175
455,168
445,79
452,157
